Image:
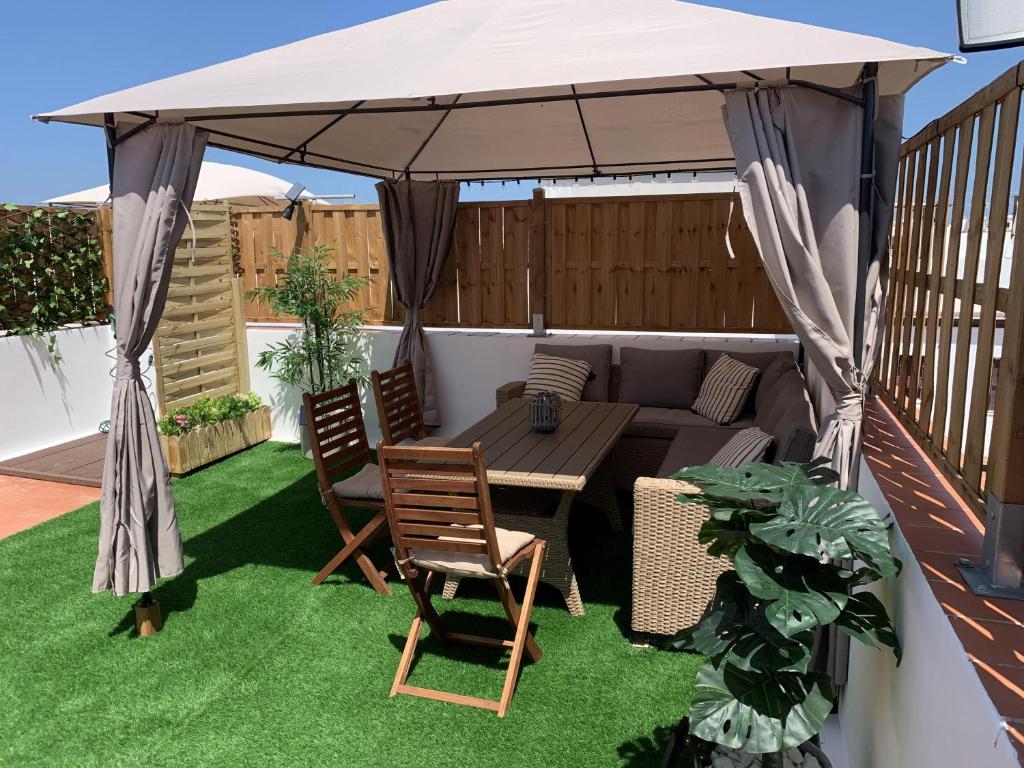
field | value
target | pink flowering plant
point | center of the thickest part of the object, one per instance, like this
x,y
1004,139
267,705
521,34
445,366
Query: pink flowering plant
x,y
208,410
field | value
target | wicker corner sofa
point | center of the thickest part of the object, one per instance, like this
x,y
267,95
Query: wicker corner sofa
x,y
673,576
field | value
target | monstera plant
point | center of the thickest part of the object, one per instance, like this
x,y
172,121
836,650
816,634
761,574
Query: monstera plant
x,y
801,549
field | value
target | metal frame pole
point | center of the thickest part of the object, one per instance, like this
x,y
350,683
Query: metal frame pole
x,y
866,207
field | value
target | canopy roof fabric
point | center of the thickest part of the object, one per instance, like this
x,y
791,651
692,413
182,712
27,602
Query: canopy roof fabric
x,y
217,181
477,89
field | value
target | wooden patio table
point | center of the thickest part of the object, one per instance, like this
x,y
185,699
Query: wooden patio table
x,y
565,460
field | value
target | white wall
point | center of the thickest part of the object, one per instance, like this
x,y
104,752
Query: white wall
x,y
470,365
42,405
932,710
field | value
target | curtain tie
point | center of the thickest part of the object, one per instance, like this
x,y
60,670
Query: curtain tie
x,y
850,406
128,369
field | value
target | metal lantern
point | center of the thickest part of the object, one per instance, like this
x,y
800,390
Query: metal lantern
x,y
545,411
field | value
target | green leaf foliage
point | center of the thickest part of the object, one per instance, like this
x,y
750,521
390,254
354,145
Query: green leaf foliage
x,y
866,619
325,353
801,593
785,529
753,482
829,522
51,272
737,632
207,410
759,711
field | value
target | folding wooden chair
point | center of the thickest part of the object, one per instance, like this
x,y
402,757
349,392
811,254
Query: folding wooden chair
x,y
338,438
439,509
398,407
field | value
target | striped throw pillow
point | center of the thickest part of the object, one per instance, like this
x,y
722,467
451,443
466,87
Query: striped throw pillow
x,y
725,390
746,446
560,375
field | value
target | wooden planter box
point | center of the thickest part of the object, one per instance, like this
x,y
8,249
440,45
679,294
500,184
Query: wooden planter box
x,y
204,445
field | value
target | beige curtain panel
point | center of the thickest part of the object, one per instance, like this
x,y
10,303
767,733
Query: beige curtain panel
x,y
798,161
155,174
418,220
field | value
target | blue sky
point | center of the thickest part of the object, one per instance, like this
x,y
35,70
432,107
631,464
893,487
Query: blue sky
x,y
67,51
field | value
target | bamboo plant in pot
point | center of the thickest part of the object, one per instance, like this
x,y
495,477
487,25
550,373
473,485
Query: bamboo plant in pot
x,y
801,551
325,352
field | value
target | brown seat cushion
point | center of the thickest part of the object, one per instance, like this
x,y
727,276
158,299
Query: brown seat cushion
x,y
600,358
660,378
364,484
664,423
471,565
693,446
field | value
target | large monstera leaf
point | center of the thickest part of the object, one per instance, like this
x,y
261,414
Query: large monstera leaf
x,y
758,711
753,482
736,632
823,522
800,593
866,619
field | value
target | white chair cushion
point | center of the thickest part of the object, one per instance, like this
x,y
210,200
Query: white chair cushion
x,y
473,566
364,484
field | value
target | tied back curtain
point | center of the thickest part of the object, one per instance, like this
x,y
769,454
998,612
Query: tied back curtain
x,y
798,158
155,174
418,220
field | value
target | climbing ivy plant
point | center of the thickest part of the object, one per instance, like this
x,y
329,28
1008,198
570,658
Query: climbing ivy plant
x,y
51,272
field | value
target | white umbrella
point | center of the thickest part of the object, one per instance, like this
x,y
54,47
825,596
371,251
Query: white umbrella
x,y
473,89
217,181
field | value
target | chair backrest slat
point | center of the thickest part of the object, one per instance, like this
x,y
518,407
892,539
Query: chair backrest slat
x,y
337,434
398,405
438,499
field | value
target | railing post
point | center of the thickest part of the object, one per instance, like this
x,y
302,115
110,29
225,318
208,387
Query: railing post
x,y
538,253
1002,569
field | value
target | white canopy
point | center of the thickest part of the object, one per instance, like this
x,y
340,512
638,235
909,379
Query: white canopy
x,y
217,181
473,89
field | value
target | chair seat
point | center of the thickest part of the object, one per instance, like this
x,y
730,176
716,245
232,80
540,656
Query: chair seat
x,y
364,484
472,566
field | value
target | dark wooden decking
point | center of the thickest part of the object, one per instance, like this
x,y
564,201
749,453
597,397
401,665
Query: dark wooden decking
x,y
79,462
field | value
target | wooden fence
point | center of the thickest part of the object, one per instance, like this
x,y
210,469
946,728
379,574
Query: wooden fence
x,y
638,263
353,233
200,348
954,289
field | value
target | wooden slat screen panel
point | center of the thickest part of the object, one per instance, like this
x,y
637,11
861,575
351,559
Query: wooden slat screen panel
x,y
199,347
957,261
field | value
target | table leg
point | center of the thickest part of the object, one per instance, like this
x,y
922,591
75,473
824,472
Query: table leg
x,y
600,494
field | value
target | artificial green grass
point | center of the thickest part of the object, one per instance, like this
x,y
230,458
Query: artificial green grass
x,y
256,667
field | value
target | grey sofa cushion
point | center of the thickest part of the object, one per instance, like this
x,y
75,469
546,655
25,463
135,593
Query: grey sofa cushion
x,y
770,377
660,378
664,423
760,360
600,358
693,446
789,418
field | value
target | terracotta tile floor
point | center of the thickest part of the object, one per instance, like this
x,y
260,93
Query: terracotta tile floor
x,y
940,529
24,502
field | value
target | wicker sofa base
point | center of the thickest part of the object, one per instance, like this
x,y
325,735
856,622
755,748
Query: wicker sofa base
x,y
673,576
